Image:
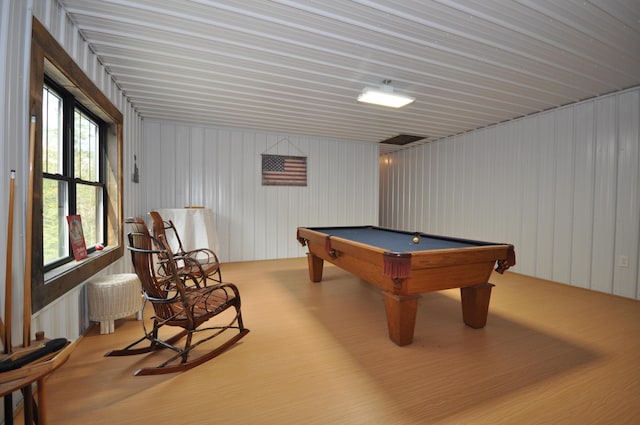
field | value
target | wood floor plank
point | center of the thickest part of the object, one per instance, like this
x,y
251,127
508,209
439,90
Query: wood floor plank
x,y
319,354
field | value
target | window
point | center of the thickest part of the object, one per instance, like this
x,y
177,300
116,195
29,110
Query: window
x,y
77,169
72,180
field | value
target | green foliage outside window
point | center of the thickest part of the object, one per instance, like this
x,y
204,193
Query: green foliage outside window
x,y
70,186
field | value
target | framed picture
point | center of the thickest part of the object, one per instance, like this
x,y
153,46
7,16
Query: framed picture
x,y
76,236
283,170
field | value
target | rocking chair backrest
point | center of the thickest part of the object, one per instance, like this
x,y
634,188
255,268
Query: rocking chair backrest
x,y
181,298
198,262
160,228
159,290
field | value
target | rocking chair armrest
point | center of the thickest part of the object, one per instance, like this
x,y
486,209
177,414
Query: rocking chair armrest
x,y
145,251
208,253
229,285
226,287
155,300
192,271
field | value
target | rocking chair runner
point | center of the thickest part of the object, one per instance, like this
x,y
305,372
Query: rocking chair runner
x,y
205,257
179,299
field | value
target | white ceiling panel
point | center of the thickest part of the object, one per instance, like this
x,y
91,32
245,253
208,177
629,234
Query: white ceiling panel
x,y
298,66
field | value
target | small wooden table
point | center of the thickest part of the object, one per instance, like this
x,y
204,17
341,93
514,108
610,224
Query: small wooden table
x,y
24,377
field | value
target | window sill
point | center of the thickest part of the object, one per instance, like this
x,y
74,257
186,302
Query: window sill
x,y
70,267
64,278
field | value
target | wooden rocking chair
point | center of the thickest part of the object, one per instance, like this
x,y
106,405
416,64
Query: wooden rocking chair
x,y
180,299
207,260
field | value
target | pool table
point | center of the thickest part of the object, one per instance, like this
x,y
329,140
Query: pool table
x,y
406,264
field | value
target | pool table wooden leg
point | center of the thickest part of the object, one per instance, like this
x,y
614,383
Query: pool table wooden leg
x,y
475,304
315,267
401,316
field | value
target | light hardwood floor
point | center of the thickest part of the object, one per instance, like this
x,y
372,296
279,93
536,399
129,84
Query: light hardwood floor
x,y
319,354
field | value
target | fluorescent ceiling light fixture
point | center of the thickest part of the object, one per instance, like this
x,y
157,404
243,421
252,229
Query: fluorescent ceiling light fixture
x,y
384,96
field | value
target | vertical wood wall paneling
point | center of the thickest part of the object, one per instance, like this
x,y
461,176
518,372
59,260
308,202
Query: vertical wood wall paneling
x,y
404,197
237,174
414,198
383,206
514,193
197,164
223,202
604,195
399,167
584,183
432,211
261,199
545,138
182,142
499,194
530,187
394,167
392,187
13,134
628,196
253,221
67,316
164,165
149,168
562,186
251,161
440,188
456,173
564,195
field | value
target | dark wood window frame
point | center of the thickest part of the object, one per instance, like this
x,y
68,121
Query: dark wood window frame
x,y
48,57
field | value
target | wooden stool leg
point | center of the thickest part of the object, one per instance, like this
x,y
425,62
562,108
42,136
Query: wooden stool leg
x,y
8,409
28,409
42,402
475,304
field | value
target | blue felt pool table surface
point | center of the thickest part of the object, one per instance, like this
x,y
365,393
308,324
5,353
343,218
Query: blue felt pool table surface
x,y
403,269
396,240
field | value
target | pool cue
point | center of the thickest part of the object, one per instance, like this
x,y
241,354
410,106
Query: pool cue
x,y
8,290
26,324
8,399
27,395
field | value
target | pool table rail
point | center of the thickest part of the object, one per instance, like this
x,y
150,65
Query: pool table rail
x,y
403,276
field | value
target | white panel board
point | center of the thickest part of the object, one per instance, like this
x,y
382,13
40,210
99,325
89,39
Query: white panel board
x,y
545,144
254,221
563,202
625,279
562,186
604,212
584,181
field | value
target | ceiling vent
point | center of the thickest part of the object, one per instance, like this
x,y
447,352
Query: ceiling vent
x,y
402,139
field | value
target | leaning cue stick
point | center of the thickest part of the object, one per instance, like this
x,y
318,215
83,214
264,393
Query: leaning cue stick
x,y
8,399
6,331
26,324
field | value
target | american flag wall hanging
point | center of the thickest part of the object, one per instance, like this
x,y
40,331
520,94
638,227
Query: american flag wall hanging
x,y
282,170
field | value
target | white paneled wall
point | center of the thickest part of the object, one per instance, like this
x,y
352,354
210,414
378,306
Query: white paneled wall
x,y
220,168
67,316
562,186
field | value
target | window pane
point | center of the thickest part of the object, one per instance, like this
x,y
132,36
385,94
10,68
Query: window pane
x,y
54,213
89,207
85,147
51,132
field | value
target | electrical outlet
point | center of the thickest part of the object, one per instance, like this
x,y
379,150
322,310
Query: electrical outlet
x,y
623,261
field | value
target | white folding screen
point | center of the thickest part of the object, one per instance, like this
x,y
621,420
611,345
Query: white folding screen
x,y
562,186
